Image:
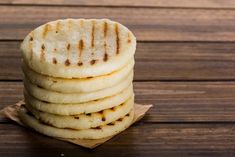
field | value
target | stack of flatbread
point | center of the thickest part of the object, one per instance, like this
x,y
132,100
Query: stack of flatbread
x,y
78,77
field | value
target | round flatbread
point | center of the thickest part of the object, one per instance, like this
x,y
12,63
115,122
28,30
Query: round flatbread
x,y
84,121
86,107
78,85
57,97
78,48
94,133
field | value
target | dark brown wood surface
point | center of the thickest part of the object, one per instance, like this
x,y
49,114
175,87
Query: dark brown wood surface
x,y
185,67
130,3
148,24
156,140
154,61
173,101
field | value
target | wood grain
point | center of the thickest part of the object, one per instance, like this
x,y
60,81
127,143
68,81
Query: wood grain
x,y
148,24
154,61
130,3
157,139
173,101
185,65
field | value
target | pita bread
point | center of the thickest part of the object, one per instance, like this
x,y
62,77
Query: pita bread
x,y
57,97
78,85
94,133
79,108
84,121
78,48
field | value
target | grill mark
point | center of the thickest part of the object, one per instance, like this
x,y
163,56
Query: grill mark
x,y
92,62
98,128
54,61
128,115
67,62
120,119
31,51
54,81
58,27
110,124
92,34
105,28
76,117
43,47
31,38
117,39
80,64
128,38
105,44
68,47
113,108
103,118
46,30
42,55
80,47
88,114
80,44
105,57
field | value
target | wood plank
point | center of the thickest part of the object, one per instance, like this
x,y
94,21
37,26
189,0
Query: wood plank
x,y
148,24
139,140
154,61
173,101
130,3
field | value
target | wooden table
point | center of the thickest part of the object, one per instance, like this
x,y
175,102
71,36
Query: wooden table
x,y
185,66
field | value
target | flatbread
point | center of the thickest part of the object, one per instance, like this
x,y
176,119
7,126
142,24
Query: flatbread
x,y
79,108
78,48
57,97
84,121
78,85
94,133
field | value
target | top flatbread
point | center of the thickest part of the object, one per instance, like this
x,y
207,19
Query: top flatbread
x,y
78,48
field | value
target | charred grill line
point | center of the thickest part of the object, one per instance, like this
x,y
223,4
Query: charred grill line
x,y
105,49
117,39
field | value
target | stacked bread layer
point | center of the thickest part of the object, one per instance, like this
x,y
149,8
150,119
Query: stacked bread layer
x,y
91,111
90,94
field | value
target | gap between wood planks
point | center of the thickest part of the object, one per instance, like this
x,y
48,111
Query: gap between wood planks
x,y
142,139
123,6
173,102
172,81
205,4
8,121
148,24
